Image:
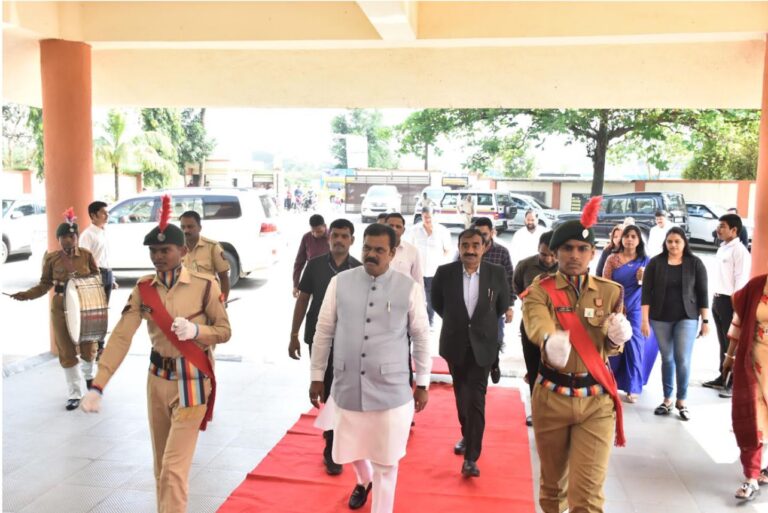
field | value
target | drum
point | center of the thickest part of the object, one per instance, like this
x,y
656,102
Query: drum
x,y
85,309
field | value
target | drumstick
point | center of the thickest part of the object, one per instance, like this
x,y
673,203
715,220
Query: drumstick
x,y
231,300
6,294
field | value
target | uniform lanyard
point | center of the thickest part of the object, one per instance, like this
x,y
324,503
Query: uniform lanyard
x,y
334,270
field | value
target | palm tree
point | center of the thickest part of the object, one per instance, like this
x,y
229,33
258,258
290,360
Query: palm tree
x,y
145,149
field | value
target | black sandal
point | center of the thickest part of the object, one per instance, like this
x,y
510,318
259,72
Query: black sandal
x,y
747,491
762,479
683,412
663,409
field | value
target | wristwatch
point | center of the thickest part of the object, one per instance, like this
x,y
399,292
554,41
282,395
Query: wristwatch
x,y
421,387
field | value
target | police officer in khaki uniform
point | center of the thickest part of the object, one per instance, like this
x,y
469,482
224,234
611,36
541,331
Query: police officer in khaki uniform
x,y
203,255
574,405
178,393
58,267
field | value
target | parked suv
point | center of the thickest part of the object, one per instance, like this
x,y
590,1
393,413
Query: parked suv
x,y
23,222
642,206
243,221
495,205
378,199
703,219
524,203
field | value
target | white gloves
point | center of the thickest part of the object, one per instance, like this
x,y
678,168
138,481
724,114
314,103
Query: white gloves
x,y
558,349
91,402
619,329
184,329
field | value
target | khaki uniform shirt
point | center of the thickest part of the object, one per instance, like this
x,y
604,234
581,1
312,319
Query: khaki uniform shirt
x,y
206,257
55,272
602,296
187,298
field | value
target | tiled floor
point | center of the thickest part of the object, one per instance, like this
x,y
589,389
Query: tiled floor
x,y
58,462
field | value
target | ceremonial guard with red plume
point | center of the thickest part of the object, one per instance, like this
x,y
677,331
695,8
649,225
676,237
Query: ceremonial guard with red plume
x,y
58,267
185,318
575,404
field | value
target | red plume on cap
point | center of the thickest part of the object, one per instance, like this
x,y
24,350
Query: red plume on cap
x,y
589,215
165,212
69,215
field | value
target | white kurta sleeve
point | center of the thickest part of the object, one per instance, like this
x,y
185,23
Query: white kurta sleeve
x,y
418,328
324,333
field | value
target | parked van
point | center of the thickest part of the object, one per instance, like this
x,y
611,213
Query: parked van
x,y
495,205
243,221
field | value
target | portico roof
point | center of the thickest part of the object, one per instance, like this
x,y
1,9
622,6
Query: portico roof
x,y
399,54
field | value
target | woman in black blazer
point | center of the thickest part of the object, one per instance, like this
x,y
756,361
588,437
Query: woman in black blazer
x,y
674,297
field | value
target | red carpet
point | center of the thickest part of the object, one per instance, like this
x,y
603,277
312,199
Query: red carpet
x,y
292,479
439,366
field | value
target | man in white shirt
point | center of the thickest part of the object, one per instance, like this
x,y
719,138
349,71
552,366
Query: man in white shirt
x,y
734,264
525,241
94,239
467,207
367,314
433,241
657,234
407,259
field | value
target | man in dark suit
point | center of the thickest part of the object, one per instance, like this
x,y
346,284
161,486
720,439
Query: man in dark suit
x,y
470,295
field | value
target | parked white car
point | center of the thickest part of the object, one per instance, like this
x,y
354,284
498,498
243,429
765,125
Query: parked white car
x,y
23,223
434,193
380,199
703,220
243,221
525,202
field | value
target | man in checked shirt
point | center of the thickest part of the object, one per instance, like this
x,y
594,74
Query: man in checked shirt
x,y
497,254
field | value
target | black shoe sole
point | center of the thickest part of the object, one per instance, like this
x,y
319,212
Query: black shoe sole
x,y
72,405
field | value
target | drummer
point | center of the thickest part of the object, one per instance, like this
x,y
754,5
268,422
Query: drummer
x,y
204,255
58,268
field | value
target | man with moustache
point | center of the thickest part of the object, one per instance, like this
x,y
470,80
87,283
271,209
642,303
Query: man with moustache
x,y
185,318
314,282
545,262
470,295
203,255
367,314
407,259
575,403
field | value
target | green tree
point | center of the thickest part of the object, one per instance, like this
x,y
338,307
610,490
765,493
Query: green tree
x,y
196,146
35,124
420,131
119,150
726,146
368,123
17,137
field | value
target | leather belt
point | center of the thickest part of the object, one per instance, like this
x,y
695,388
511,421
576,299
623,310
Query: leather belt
x,y
161,362
722,295
566,380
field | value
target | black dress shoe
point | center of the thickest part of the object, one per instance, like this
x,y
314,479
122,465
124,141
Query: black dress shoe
x,y
495,375
331,467
72,404
359,496
460,447
716,383
529,420
469,469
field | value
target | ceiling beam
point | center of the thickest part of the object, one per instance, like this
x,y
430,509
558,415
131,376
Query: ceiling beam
x,y
394,21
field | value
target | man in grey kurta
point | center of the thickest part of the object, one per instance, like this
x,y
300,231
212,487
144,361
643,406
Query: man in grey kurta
x,y
367,315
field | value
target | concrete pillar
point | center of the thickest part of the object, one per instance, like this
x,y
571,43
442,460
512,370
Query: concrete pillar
x,y
760,235
67,131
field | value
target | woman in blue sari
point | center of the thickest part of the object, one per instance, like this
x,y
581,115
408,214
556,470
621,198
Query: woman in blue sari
x,y
626,267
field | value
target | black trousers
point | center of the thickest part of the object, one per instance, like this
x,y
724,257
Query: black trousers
x,y
328,377
470,382
722,313
532,357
